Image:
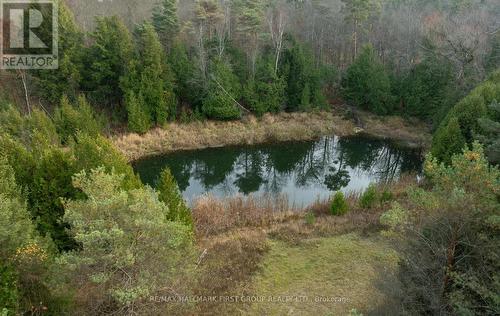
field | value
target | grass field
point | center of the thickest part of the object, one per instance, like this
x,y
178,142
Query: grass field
x,y
335,274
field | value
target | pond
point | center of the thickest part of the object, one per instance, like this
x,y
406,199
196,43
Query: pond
x,y
304,171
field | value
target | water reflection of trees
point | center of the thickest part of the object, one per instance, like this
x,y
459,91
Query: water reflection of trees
x,y
330,163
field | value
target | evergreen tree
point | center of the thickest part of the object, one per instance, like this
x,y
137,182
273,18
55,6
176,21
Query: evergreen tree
x,y
302,79
184,72
168,193
166,22
468,113
24,255
428,92
224,90
51,182
69,119
53,84
156,78
294,70
448,141
356,13
489,133
108,60
93,152
139,120
367,85
305,100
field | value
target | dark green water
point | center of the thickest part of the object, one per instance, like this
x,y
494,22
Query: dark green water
x,y
303,171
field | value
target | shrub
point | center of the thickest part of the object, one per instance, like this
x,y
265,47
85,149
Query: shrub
x,y
386,196
339,204
369,197
394,218
168,193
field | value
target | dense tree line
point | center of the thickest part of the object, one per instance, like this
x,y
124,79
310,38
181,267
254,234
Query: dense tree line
x,y
224,59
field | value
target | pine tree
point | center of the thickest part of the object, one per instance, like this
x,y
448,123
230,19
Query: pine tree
x,y
366,84
128,249
489,133
305,100
139,120
356,13
156,78
224,90
448,141
108,60
294,70
66,80
166,22
168,193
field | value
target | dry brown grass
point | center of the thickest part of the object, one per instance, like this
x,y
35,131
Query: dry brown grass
x,y
270,128
213,216
409,132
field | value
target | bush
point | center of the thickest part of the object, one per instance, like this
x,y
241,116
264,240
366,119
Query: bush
x,y
386,196
369,198
339,204
168,193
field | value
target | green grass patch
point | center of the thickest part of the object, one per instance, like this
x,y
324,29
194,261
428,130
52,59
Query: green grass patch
x,y
328,269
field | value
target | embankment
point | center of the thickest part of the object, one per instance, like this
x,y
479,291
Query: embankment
x,y
270,128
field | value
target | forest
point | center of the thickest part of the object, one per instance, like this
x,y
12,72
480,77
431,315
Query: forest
x,y
201,157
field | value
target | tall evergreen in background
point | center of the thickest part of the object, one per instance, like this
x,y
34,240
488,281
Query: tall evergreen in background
x,y
53,84
224,89
166,22
108,60
366,84
156,79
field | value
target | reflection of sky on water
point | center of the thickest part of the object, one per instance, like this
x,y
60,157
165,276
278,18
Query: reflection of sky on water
x,y
304,171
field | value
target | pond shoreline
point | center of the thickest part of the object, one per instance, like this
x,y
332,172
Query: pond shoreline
x,y
281,127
